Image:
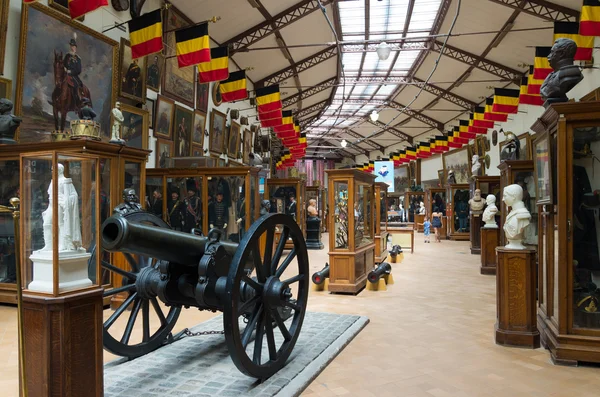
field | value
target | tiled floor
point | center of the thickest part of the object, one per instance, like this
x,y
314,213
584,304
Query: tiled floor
x,y
431,334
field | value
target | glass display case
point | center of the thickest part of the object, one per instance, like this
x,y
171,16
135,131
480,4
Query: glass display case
x,y
457,209
118,167
317,193
351,230
412,203
565,156
487,185
315,201
436,202
520,172
397,214
287,196
202,199
381,234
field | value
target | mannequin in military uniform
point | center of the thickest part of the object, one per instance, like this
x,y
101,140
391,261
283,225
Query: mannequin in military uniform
x,y
176,211
292,208
72,65
217,213
130,203
193,211
241,213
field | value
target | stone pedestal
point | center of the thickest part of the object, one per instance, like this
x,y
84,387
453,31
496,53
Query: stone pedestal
x,y
516,299
490,239
419,219
313,234
63,344
72,271
475,232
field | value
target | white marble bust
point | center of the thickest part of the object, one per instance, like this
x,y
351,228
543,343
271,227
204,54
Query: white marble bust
x,y
476,203
475,165
422,209
490,212
517,219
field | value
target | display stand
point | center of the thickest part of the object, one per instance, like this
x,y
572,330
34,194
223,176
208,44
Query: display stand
x,y
411,203
279,191
516,297
475,221
318,193
490,238
419,219
351,237
569,264
487,185
381,233
458,207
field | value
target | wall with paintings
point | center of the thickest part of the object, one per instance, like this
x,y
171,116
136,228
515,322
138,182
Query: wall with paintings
x,y
100,20
430,167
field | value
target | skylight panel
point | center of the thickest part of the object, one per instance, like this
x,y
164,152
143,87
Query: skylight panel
x,y
352,61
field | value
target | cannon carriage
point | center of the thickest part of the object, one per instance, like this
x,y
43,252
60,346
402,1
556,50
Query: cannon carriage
x,y
260,287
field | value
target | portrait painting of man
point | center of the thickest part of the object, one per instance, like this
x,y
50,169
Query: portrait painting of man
x,y
133,83
183,131
217,132
156,64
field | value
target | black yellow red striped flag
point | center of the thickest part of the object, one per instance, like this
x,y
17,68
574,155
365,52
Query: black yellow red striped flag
x,y
145,34
525,97
541,65
423,150
464,129
268,99
506,100
411,153
570,30
452,143
432,146
78,8
217,69
533,85
490,115
234,88
192,45
589,21
473,128
479,118
287,124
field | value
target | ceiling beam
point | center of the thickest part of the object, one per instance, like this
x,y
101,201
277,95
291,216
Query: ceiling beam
x,y
542,9
300,66
311,109
446,94
477,61
407,45
275,24
302,95
393,130
367,141
417,115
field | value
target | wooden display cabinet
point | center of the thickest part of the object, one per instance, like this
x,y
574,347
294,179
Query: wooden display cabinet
x,y
279,191
318,193
458,208
120,166
487,185
351,229
437,197
197,186
569,260
412,202
519,172
381,234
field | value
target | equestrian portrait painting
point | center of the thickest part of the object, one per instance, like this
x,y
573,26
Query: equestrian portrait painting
x,y
61,64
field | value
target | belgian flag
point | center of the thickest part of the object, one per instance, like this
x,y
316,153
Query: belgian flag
x,y
525,97
411,153
371,165
506,100
217,69
234,88
460,137
441,143
533,85
192,45
402,157
268,99
473,128
432,146
589,22
541,65
145,34
464,129
479,118
570,30
453,142
490,115
287,124
424,150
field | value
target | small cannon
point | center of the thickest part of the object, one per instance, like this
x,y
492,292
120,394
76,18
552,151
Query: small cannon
x,y
320,276
394,252
261,291
379,271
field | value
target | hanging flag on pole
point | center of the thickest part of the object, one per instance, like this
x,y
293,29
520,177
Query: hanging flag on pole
x,y
79,8
145,34
589,22
192,45
533,85
234,88
217,69
506,100
570,30
526,98
541,65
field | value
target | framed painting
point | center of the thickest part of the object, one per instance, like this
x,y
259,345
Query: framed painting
x,y
543,169
233,146
51,43
149,106
164,150
217,132
525,146
442,178
401,178
165,108
459,161
134,129
217,99
199,128
247,146
5,88
132,83
177,83
155,66
197,151
3,35
182,122
202,91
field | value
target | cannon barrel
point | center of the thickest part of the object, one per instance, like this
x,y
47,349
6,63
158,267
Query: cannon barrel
x,y
121,235
320,276
396,249
379,271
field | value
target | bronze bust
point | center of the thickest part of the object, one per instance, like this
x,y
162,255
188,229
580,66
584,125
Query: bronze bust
x,y
8,122
565,75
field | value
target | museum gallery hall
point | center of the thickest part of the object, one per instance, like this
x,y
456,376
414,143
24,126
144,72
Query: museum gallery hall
x,y
299,198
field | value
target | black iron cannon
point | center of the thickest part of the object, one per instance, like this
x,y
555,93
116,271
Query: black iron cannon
x,y
320,276
396,249
261,291
379,271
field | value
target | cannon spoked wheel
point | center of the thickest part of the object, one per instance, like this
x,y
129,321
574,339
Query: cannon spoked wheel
x,y
118,341
261,300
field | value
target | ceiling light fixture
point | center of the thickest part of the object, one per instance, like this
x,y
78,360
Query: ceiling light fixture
x,y
383,51
374,116
344,143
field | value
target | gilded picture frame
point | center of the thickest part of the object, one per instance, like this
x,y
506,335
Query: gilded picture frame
x,y
247,146
233,141
6,88
542,164
164,150
525,150
132,74
202,91
217,132
154,71
38,20
183,122
3,31
150,106
197,151
164,112
402,178
134,129
442,178
459,160
199,128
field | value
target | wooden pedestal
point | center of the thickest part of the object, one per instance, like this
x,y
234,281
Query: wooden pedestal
x,y
490,239
381,247
63,344
348,271
475,232
516,299
419,219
